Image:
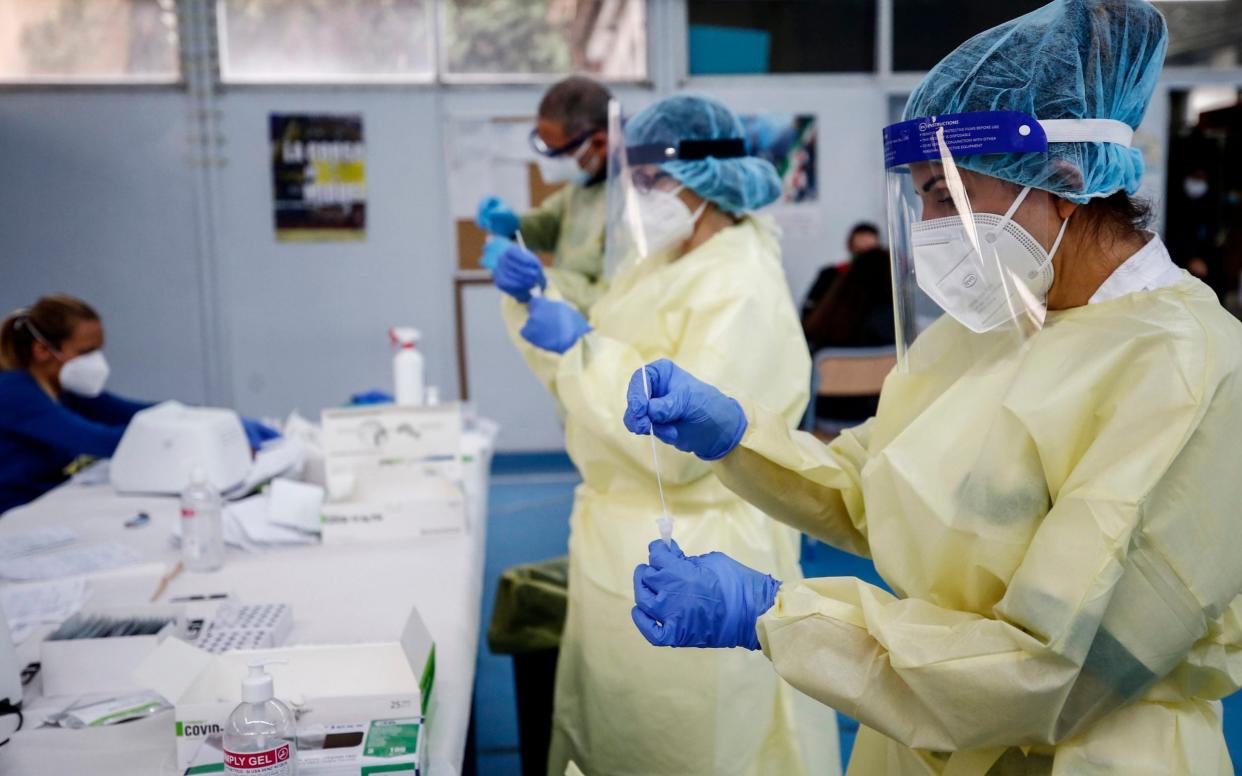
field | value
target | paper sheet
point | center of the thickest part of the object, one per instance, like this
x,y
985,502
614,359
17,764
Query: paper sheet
x,y
251,515
29,605
295,505
38,540
281,456
66,563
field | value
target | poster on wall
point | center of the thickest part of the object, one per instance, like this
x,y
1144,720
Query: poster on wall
x,y
319,177
788,141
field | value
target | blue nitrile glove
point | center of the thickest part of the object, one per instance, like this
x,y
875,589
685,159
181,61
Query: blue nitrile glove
x,y
552,325
492,248
700,601
257,433
685,412
373,396
496,217
517,272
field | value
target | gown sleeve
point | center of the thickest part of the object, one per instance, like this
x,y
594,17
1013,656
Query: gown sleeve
x,y
1126,583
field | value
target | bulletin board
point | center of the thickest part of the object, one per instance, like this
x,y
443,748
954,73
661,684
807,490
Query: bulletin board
x,y
489,156
485,156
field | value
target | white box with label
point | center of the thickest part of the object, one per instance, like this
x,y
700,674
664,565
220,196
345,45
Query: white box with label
x,y
325,684
428,508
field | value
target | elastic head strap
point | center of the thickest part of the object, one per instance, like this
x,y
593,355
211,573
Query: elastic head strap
x,y
34,332
685,151
1088,131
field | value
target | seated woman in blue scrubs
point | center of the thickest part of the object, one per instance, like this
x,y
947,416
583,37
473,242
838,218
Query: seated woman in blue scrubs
x,y
53,409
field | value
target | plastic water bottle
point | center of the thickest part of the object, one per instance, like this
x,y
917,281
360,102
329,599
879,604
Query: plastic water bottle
x,y
260,736
407,366
202,530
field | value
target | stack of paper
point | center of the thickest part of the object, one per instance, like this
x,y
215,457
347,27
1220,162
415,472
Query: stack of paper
x,y
38,540
29,605
86,559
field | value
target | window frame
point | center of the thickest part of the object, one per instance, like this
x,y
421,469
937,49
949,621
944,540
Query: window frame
x,y
437,76
226,80
882,52
111,81
448,78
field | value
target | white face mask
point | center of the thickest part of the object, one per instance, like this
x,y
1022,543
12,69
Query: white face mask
x,y
565,168
666,221
983,292
1195,188
85,375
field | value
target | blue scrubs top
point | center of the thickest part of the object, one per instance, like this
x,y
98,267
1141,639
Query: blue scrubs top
x,y
40,437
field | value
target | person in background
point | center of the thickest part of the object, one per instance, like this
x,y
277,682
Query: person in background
x,y
53,406
703,283
856,308
850,305
1050,484
1193,224
863,237
855,312
571,140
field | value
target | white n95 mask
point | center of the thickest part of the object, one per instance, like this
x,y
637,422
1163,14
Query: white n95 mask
x,y
564,168
85,375
666,221
985,275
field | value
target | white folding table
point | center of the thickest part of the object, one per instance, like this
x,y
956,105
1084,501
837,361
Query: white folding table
x,y
339,594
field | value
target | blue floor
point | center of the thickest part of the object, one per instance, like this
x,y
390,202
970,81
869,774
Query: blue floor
x,y
531,497
530,500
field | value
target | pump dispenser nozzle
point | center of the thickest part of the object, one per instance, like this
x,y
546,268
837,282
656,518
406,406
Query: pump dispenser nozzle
x,y
257,687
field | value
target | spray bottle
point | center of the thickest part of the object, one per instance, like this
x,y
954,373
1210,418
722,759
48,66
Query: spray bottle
x,y
260,736
407,366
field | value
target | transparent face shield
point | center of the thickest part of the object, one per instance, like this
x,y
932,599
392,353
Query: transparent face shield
x,y
970,250
646,217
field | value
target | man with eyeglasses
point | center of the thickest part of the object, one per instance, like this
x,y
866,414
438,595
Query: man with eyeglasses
x,y
570,140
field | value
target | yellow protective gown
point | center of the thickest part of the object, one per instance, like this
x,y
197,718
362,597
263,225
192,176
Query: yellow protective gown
x,y
570,223
624,707
1061,525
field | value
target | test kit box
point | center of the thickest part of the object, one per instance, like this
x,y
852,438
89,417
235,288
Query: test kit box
x,y
428,508
379,746
393,472
361,442
324,684
91,666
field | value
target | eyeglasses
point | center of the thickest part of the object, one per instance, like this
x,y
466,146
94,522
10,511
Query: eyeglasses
x,y
543,149
646,180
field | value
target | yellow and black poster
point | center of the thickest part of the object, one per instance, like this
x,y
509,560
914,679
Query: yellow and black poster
x,y
319,177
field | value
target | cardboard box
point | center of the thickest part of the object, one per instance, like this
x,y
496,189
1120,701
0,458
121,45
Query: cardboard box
x,y
393,472
363,441
90,666
427,508
325,684
387,746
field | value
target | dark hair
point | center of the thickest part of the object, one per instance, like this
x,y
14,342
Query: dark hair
x,y
578,104
1117,215
52,317
864,227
